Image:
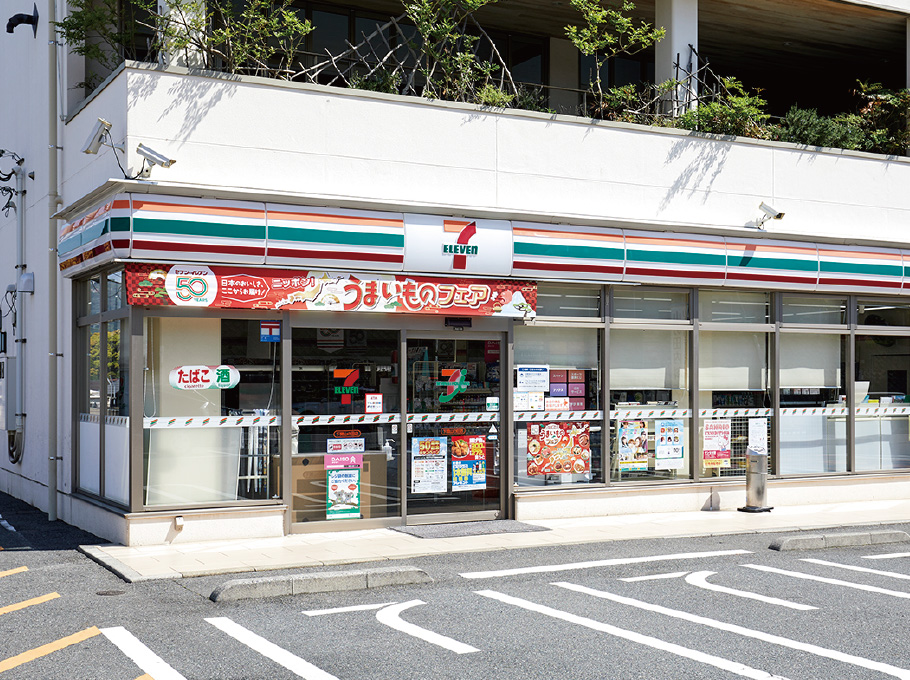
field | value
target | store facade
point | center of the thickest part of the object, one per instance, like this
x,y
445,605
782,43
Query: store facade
x,y
333,368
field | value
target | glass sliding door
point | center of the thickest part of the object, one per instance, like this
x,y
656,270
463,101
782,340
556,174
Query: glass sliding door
x,y
453,427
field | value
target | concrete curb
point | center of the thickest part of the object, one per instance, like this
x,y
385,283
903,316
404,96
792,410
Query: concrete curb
x,y
842,540
324,582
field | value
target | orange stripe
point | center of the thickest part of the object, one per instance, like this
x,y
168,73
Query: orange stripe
x,y
17,570
338,219
686,243
28,603
145,677
44,650
197,210
567,234
454,226
855,255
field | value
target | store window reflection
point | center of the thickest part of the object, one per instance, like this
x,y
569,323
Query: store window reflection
x,y
882,408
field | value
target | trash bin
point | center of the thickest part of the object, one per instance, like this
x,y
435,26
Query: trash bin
x,y
756,482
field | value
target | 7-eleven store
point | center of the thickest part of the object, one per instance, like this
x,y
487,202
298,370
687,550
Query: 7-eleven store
x,y
255,369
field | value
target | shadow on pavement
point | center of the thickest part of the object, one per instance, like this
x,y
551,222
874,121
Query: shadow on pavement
x,y
34,532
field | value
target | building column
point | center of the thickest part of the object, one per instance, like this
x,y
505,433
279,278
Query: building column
x,y
564,74
680,19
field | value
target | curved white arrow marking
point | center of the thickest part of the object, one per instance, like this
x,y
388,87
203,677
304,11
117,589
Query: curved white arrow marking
x,y
390,616
700,580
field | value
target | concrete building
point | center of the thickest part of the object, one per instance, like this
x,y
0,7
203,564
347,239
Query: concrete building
x,y
263,306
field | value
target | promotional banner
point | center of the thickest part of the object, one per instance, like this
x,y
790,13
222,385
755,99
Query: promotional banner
x,y
342,493
555,448
204,377
633,445
428,465
669,445
716,443
249,288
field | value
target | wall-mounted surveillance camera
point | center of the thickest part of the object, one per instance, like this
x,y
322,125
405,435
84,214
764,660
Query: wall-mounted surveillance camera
x,y
771,212
153,157
96,139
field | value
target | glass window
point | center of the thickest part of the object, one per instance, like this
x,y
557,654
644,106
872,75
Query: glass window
x,y
649,378
211,425
813,403
349,372
90,412
557,372
572,301
733,381
116,420
330,33
526,60
93,294
650,303
883,313
817,310
722,306
116,292
882,384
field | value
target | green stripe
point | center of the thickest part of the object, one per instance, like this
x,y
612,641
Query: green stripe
x,y
120,223
774,263
580,252
860,268
189,228
327,236
676,257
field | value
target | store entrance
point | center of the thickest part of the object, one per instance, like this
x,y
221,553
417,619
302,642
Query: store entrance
x,y
453,429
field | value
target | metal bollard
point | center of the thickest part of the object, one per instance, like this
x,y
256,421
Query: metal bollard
x,y
756,482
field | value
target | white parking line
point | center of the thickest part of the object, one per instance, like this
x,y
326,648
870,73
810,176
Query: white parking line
x,y
700,580
866,570
832,581
270,650
653,577
655,643
352,608
548,568
886,557
142,656
843,657
390,616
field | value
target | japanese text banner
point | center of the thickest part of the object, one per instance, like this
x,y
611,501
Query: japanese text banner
x,y
247,288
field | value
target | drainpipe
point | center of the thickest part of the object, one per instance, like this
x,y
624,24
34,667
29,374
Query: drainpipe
x,y
53,201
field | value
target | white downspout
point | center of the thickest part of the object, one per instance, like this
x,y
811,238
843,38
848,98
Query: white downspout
x,y
53,200
18,442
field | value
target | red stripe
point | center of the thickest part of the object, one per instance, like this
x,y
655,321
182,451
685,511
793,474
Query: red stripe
x,y
556,267
859,282
669,273
300,254
197,248
121,243
770,277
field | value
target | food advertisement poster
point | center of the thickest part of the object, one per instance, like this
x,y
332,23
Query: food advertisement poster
x,y
633,445
717,443
558,448
428,465
342,498
469,463
669,445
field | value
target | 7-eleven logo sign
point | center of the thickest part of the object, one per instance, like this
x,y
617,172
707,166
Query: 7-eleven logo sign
x,y
462,247
350,376
455,385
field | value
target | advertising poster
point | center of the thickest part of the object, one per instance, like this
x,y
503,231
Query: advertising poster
x,y
469,463
758,435
532,378
342,498
558,448
633,445
428,465
372,403
717,443
669,445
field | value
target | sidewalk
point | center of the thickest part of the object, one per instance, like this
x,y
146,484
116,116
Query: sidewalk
x,y
317,550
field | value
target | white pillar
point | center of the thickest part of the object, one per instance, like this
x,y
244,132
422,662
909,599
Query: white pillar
x,y
680,19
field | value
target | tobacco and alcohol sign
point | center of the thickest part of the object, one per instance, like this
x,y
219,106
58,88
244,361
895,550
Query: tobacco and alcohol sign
x,y
204,377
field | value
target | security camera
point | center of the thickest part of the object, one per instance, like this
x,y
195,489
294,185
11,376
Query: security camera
x,y
96,139
771,212
153,157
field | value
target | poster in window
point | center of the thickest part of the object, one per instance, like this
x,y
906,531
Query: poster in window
x,y
342,498
633,445
555,448
428,465
669,445
716,444
758,435
469,463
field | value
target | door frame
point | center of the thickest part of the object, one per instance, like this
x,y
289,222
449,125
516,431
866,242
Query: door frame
x,y
504,337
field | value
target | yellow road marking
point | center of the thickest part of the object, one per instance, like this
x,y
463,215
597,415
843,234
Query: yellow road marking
x,y
12,571
29,603
44,650
145,677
